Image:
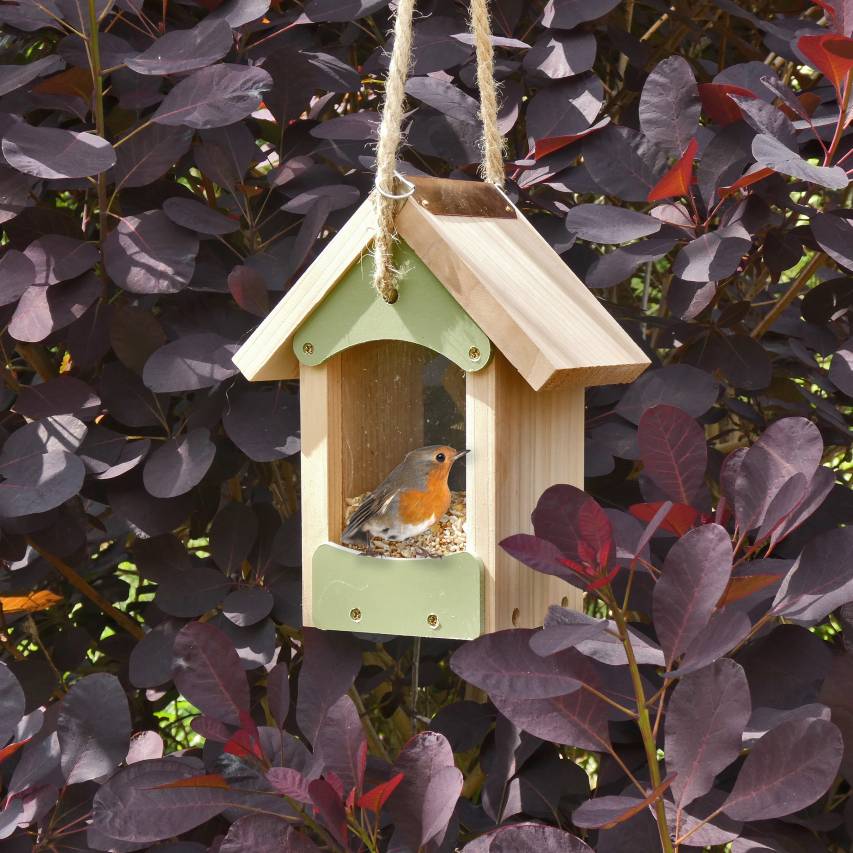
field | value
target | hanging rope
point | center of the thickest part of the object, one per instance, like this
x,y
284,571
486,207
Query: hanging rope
x,y
390,134
492,146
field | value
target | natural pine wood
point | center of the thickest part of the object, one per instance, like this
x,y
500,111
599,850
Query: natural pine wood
x,y
523,442
321,468
513,285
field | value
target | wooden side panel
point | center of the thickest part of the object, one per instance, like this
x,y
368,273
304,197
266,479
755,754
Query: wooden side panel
x,y
526,441
321,473
268,352
382,411
522,295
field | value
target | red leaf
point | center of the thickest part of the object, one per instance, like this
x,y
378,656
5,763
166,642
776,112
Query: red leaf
x,y
375,798
832,55
550,144
603,581
678,520
243,743
678,179
755,174
12,748
209,780
741,587
716,103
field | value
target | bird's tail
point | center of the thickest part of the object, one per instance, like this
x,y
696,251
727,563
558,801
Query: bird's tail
x,y
355,535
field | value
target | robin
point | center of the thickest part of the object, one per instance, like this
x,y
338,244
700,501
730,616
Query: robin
x,y
408,501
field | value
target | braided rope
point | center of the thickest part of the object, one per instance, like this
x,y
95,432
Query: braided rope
x,y
390,133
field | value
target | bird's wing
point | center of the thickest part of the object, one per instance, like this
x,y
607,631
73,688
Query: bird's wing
x,y
375,503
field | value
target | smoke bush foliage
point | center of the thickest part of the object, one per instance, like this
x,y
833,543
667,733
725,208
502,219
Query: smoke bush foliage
x,y
168,168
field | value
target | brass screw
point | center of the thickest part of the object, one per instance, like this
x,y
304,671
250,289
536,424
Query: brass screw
x,y
474,353
355,614
432,621
425,202
308,348
507,208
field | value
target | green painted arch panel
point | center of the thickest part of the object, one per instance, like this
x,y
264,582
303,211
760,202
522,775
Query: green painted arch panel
x,y
410,597
424,313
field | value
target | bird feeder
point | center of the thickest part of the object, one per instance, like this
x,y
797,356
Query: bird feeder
x,y
489,347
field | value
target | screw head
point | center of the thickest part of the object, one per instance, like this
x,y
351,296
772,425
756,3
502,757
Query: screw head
x,y
474,353
425,202
308,348
355,614
507,208
432,621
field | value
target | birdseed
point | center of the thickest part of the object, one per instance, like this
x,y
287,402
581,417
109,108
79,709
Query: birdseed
x,y
446,536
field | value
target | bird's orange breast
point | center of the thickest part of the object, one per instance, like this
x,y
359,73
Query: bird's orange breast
x,y
432,502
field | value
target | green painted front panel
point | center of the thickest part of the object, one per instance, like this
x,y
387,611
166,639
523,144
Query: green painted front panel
x,y
398,596
424,313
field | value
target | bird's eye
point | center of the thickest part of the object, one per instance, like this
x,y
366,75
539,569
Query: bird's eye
x,y
440,457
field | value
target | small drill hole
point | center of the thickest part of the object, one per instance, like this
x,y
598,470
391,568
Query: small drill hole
x,y
515,614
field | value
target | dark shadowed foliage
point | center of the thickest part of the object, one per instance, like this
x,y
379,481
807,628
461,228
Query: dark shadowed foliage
x,y
168,170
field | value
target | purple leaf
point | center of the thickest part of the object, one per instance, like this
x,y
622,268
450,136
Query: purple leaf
x,y
93,728
15,76
278,693
232,535
559,55
567,14
680,385
16,193
601,223
670,106
614,267
236,13
341,745
58,258
329,805
249,290
12,703
742,359
564,629
150,663
527,838
423,803
820,580
191,362
179,51
48,152
341,10
195,216
329,668
254,832
444,97
726,630
834,235
674,452
765,118
264,424
623,162
773,154
192,592
17,273
787,447
695,574
290,783
707,712
788,769
713,256
149,154
247,606
43,310
64,395
539,554
213,97
150,254
179,464
841,368
564,108
107,454
37,482
207,672
504,664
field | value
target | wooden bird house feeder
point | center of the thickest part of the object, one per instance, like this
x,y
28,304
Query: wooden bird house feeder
x,y
488,347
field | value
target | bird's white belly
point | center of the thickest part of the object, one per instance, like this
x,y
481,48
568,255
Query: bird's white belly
x,y
376,527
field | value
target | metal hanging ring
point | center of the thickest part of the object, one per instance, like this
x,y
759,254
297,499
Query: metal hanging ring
x,y
410,188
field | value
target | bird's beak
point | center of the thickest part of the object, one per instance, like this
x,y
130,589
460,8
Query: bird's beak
x,y
460,453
